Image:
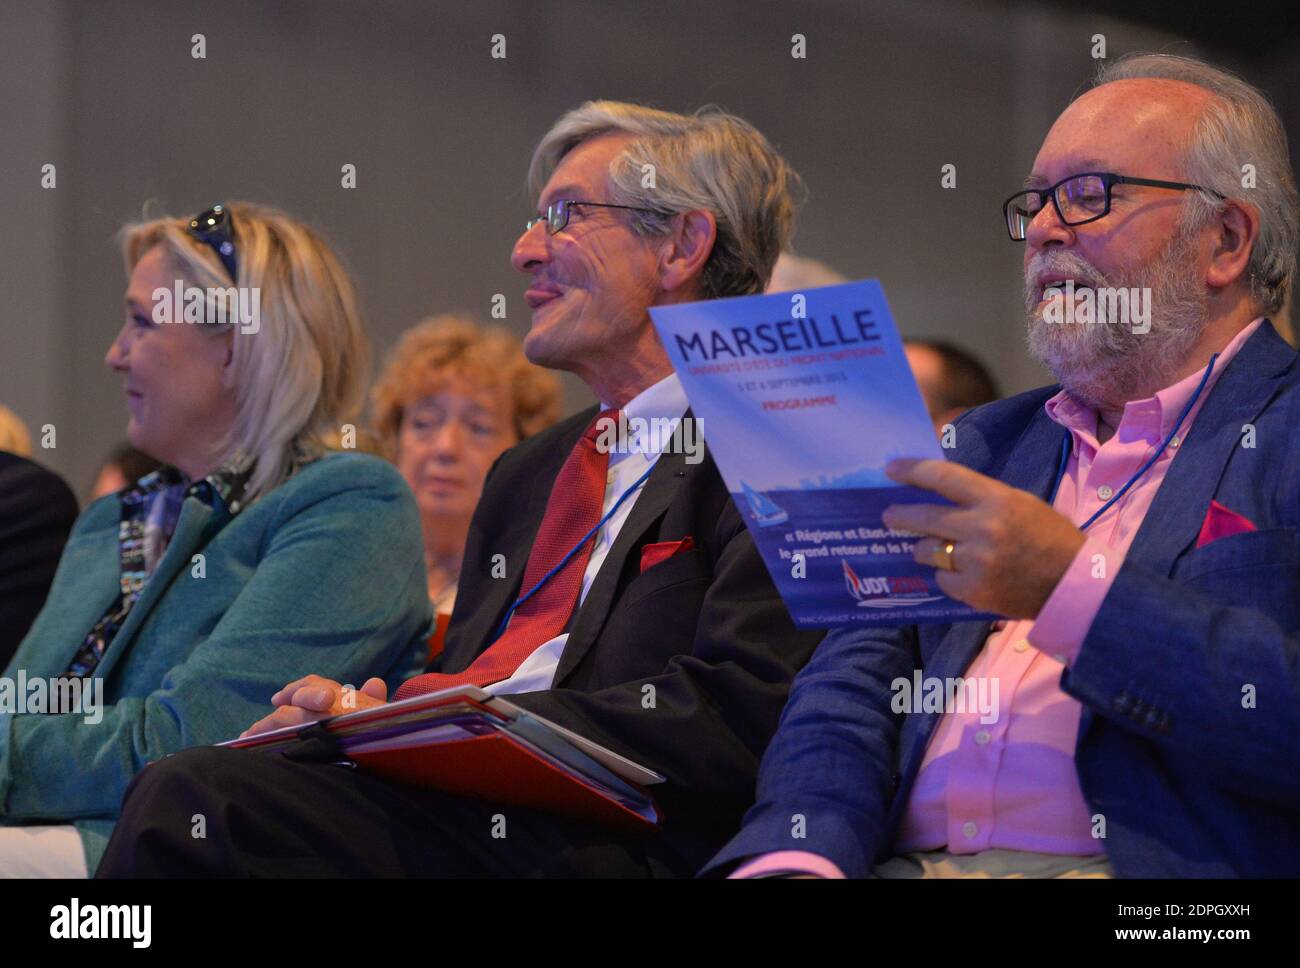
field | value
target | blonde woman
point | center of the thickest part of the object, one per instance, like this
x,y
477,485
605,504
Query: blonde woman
x,y
452,398
14,437
253,557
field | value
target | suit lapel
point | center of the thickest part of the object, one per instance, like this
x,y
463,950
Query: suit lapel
x,y
197,523
1245,388
660,489
480,607
1033,461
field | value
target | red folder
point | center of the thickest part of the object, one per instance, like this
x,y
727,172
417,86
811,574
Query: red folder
x,y
495,767
464,740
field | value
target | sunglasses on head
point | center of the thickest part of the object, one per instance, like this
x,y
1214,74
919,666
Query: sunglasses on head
x,y
214,228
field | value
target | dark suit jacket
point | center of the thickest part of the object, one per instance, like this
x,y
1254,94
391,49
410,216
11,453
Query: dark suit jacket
x,y
36,514
1189,676
706,628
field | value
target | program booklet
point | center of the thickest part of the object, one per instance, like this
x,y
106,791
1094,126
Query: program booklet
x,y
464,740
804,397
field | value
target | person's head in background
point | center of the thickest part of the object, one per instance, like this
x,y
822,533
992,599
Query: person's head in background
x,y
452,397
709,224
121,468
262,398
794,272
14,437
952,381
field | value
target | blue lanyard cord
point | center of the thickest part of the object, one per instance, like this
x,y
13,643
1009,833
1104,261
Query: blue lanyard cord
x,y
572,551
1065,452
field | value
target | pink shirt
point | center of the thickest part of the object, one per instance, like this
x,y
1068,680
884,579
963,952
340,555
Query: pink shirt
x,y
1012,783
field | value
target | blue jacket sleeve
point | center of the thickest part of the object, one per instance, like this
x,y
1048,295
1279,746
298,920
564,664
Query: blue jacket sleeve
x,y
826,782
1219,683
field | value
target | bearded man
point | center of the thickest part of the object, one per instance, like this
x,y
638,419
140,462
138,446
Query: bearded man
x,y
1136,525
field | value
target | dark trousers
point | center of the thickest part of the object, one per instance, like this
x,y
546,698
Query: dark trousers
x,y
264,815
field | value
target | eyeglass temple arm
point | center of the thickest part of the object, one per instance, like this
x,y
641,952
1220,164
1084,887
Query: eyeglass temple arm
x,y
1157,183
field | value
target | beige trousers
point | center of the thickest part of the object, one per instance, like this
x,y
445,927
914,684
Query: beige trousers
x,y
995,862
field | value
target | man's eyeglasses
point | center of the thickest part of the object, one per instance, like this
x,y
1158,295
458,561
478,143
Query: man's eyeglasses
x,y
215,228
1078,199
557,213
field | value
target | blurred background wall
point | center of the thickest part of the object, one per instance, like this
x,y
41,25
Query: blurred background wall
x,y
440,134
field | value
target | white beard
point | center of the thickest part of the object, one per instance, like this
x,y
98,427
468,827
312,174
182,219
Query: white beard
x,y
1102,365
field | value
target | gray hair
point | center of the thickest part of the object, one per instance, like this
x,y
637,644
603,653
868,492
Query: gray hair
x,y
1238,126
710,161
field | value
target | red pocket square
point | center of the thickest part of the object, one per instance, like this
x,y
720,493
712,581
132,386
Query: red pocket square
x,y
652,554
1220,522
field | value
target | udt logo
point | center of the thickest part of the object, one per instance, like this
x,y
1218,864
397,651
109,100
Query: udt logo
x,y
884,591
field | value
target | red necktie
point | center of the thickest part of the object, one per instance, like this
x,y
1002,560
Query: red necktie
x,y
571,511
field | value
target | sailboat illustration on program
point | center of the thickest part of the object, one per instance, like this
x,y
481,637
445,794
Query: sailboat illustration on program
x,y
765,511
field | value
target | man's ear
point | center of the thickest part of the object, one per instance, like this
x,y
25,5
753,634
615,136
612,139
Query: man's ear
x,y
1237,235
687,249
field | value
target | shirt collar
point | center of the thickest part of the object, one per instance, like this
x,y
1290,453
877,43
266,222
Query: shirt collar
x,y
651,416
665,399
1151,419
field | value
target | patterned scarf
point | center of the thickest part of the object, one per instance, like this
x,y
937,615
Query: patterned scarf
x,y
150,510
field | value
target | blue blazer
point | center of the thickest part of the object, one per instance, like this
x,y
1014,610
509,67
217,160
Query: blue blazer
x,y
323,574
1189,742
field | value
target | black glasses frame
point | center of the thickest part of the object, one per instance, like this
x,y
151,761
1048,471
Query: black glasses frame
x,y
558,211
216,229
1108,180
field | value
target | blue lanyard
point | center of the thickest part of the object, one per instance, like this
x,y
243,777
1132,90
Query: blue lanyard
x,y
572,551
1065,452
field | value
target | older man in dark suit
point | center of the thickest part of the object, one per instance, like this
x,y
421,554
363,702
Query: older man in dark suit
x,y
660,635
